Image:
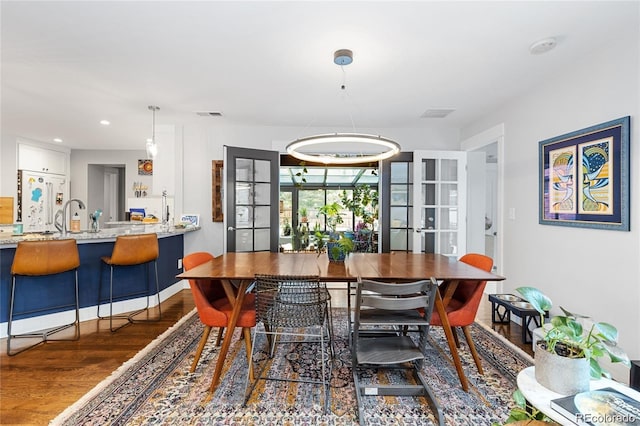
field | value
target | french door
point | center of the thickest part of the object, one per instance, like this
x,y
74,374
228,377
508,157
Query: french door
x,y
439,207
423,202
251,196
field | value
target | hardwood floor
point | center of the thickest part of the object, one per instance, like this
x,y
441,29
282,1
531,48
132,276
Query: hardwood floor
x,y
40,383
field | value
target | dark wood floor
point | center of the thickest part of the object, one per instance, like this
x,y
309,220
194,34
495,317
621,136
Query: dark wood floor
x,y
40,383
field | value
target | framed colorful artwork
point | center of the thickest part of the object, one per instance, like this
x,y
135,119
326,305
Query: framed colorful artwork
x,y
584,177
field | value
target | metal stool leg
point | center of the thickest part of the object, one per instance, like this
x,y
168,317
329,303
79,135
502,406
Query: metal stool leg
x,y
129,317
43,335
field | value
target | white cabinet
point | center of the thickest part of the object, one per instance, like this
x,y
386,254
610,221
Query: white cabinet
x,y
42,159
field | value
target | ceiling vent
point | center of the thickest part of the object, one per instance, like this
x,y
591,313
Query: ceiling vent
x,y
209,113
437,113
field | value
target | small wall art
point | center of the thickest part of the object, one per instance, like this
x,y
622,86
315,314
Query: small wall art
x,y
145,167
190,219
584,177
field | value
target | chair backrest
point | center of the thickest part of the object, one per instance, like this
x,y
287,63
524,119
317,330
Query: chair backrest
x,y
134,249
45,257
468,294
389,304
205,292
291,300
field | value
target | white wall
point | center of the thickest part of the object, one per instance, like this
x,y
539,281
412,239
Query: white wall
x,y
589,271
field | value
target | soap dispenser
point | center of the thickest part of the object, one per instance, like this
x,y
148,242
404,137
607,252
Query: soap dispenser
x,y
75,223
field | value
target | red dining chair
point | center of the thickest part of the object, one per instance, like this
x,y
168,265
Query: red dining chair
x,y
214,308
463,306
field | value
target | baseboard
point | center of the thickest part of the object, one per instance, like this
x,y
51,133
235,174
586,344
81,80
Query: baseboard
x,y
44,322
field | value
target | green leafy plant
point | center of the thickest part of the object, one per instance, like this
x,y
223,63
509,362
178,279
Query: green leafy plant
x,y
331,212
319,238
363,202
523,411
567,337
301,175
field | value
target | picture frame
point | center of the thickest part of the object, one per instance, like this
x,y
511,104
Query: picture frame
x,y
216,190
584,177
191,219
145,167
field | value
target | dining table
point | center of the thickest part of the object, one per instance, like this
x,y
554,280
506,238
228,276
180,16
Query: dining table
x,y
236,271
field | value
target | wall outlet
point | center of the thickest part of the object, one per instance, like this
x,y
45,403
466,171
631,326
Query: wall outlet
x,y
179,263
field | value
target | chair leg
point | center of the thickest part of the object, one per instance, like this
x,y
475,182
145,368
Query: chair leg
x,y
203,341
472,348
246,331
219,338
455,336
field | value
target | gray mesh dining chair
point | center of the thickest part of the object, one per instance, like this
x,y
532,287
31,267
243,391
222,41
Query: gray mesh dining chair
x,y
296,307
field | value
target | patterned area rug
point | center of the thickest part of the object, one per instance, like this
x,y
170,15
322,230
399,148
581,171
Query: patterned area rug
x,y
156,388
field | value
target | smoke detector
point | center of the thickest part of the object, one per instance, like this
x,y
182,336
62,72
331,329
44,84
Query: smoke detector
x,y
543,46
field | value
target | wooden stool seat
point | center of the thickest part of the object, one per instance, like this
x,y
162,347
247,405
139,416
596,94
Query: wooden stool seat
x,y
42,258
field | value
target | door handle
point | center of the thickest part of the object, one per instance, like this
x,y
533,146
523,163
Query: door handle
x,y
231,228
418,230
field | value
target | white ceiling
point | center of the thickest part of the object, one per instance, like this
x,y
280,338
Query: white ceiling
x,y
67,65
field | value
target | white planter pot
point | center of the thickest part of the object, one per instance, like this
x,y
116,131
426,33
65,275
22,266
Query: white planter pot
x,y
562,375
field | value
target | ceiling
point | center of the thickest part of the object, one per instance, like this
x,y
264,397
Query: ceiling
x,y
68,65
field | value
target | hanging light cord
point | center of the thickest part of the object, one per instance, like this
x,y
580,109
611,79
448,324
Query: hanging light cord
x,y
343,87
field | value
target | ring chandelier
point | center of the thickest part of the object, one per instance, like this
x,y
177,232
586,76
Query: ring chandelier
x,y
389,147
367,148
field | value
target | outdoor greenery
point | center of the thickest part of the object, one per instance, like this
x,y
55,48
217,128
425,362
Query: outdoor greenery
x,y
363,202
568,338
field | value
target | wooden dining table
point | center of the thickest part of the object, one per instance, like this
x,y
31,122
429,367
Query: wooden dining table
x,y
236,271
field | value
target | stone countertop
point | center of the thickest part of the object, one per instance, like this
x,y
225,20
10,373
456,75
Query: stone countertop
x,y
106,234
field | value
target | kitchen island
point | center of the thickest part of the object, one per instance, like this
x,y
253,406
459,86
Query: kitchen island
x,y
35,293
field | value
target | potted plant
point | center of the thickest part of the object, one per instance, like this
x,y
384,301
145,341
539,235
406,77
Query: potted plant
x,y
286,228
303,215
338,246
567,356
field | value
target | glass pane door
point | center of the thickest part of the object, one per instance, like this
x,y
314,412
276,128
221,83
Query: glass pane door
x,y
440,194
252,208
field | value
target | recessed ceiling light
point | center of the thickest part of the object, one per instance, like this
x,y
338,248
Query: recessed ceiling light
x,y
57,140
105,122
543,46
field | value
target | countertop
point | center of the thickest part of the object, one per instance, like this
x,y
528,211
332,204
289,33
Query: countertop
x,y
7,240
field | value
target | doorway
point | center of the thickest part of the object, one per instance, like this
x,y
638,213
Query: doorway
x,y
491,143
106,191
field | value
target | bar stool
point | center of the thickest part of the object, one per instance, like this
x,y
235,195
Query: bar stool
x,y
43,258
130,250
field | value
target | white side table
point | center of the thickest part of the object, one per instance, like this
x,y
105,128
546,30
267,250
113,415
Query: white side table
x,y
540,397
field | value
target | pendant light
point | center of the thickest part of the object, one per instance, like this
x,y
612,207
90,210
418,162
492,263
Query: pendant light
x,y
152,146
318,148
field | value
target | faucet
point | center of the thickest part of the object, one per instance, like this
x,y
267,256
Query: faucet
x,y
64,213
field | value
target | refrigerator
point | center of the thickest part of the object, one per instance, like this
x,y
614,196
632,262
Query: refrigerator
x,y
40,196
